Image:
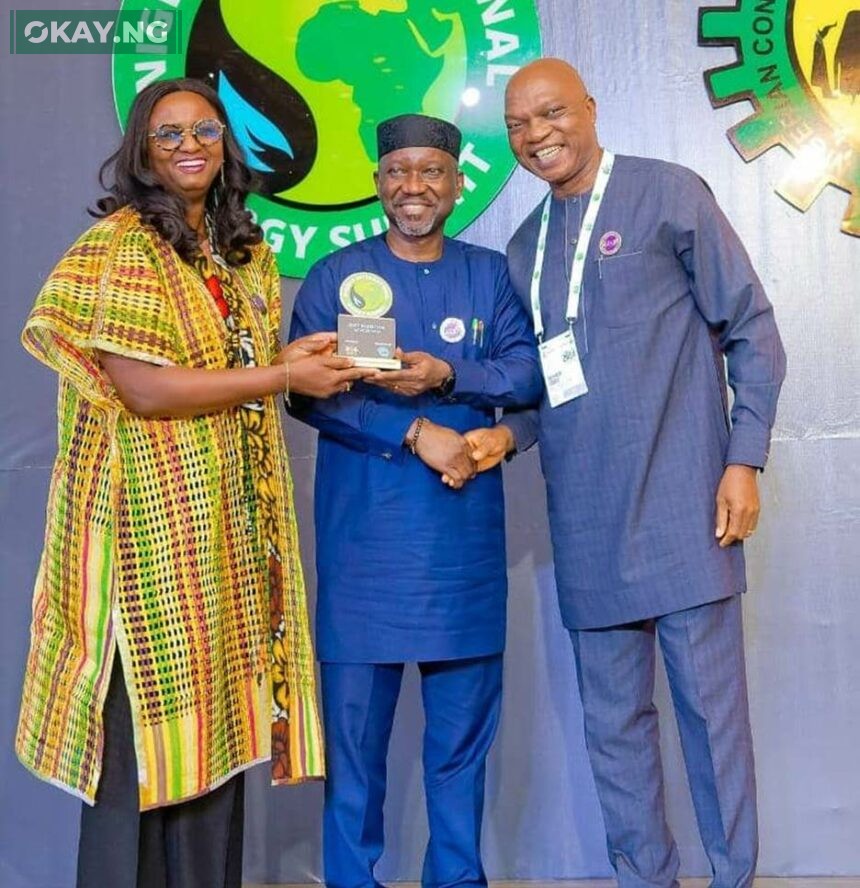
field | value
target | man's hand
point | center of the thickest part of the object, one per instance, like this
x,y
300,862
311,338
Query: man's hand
x,y
737,504
314,370
490,446
421,372
445,451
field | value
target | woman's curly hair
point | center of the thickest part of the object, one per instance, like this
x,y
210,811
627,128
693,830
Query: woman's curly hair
x,y
135,185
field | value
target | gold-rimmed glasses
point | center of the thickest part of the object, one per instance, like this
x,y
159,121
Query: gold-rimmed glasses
x,y
206,132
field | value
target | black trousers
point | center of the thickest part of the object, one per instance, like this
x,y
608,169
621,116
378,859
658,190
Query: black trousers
x,y
193,844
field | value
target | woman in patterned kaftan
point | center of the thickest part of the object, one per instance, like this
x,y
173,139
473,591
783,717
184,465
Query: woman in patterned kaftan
x,y
169,645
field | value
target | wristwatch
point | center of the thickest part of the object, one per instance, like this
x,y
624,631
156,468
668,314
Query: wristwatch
x,y
447,386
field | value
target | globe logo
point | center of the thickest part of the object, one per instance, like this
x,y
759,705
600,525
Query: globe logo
x,y
305,84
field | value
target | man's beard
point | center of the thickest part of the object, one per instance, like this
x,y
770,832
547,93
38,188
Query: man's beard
x,y
415,229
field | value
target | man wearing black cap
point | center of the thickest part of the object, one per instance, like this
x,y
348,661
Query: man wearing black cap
x,y
411,569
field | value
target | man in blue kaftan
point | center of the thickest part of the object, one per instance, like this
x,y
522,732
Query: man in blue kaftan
x,y
412,568
630,265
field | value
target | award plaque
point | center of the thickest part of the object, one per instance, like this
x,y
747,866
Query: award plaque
x,y
369,341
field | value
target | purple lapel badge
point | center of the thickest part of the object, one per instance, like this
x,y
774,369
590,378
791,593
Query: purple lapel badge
x,y
610,243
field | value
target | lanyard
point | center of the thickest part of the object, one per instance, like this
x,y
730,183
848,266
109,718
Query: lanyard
x,y
582,243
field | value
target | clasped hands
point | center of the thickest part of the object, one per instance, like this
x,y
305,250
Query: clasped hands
x,y
458,458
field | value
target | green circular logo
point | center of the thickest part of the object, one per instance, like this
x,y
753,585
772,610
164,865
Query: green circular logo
x,y
366,295
305,84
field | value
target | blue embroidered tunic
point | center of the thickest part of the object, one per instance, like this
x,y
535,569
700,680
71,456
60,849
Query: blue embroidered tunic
x,y
409,569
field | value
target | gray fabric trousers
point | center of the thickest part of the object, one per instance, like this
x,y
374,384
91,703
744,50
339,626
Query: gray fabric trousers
x,y
703,652
193,844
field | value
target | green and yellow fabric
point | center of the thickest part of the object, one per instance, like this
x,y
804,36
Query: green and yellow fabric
x,y
171,540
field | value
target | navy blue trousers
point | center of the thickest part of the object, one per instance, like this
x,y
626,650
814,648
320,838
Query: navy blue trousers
x,y
461,706
703,652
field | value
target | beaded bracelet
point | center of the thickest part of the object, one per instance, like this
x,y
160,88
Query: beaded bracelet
x,y
413,441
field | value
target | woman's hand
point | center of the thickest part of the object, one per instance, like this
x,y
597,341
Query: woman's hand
x,y
313,344
315,370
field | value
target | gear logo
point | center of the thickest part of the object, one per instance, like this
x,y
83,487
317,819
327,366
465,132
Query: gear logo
x,y
799,64
306,82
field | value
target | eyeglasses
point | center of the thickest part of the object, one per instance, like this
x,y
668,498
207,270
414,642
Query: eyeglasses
x,y
206,132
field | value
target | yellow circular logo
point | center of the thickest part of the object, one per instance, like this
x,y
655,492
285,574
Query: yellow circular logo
x,y
799,64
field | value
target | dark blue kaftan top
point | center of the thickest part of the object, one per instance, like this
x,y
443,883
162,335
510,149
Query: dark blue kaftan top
x,y
633,466
408,569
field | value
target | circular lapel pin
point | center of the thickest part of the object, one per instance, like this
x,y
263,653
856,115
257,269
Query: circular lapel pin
x,y
452,329
610,243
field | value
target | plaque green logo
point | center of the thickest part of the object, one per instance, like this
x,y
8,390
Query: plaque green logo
x,y
366,295
306,82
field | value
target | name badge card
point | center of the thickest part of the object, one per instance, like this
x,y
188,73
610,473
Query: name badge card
x,y
562,371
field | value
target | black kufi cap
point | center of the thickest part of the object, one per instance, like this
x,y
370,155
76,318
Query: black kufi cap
x,y
417,131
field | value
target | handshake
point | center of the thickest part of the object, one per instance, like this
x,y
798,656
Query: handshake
x,y
458,458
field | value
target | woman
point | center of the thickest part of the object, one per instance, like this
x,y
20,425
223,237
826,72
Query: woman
x,y
170,648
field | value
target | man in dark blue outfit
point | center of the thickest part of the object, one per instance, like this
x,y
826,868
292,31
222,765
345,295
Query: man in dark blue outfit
x,y
640,291
411,568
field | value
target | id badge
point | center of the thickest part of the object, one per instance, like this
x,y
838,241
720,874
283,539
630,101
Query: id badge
x,y
562,372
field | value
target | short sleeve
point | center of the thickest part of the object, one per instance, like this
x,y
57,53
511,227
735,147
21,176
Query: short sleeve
x,y
107,294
